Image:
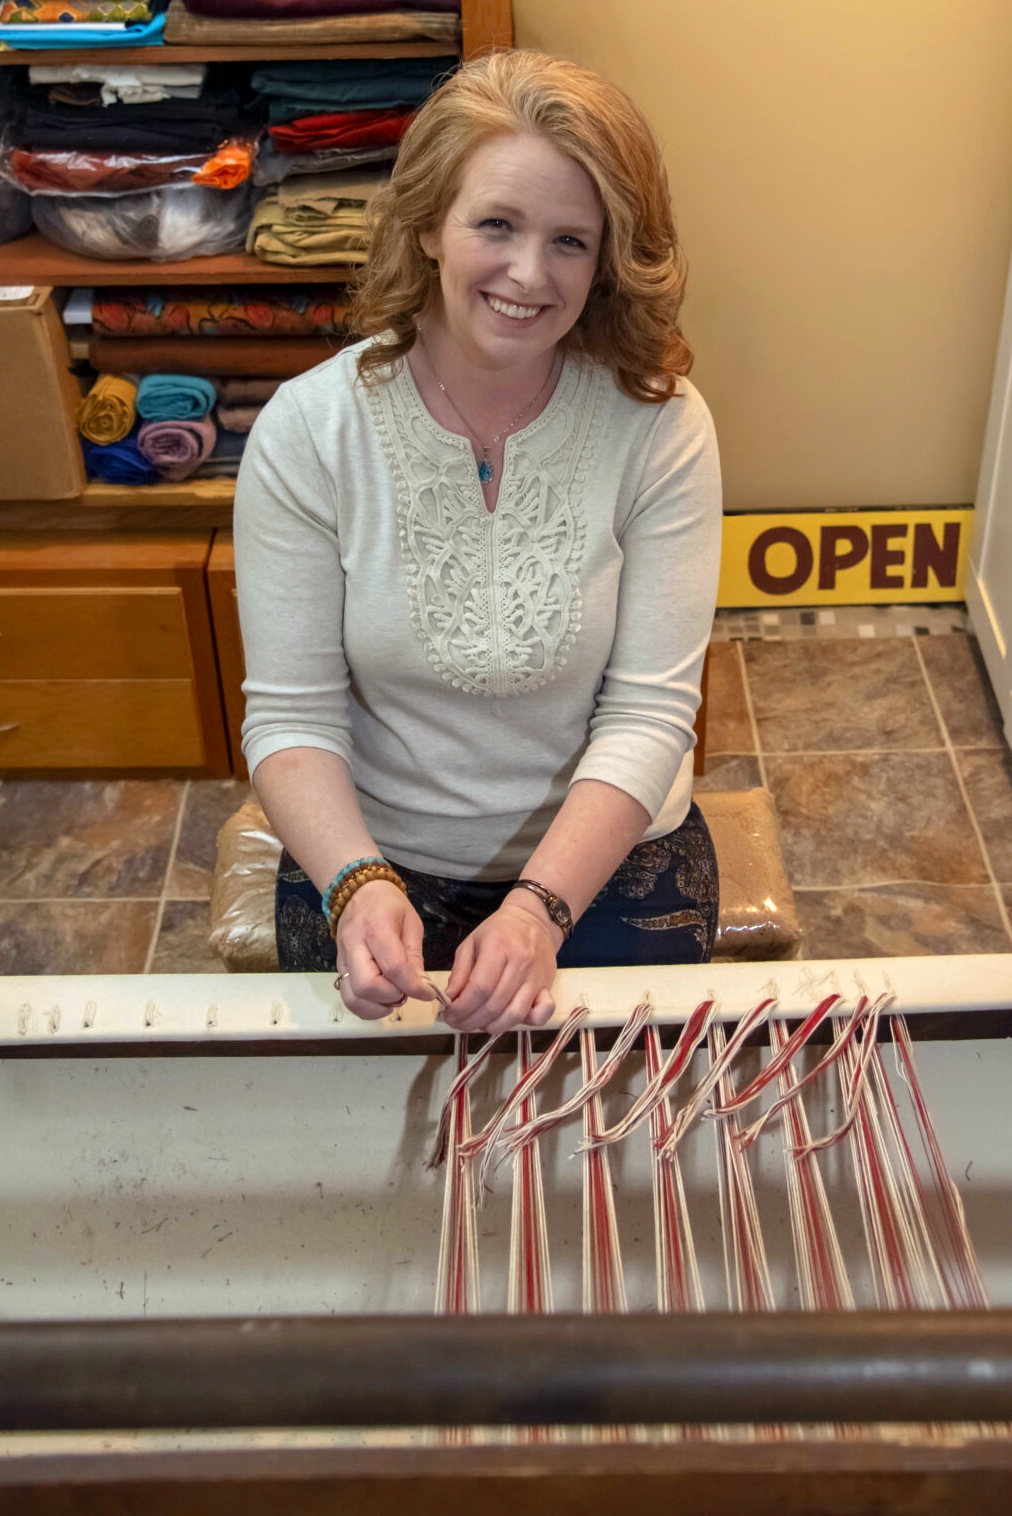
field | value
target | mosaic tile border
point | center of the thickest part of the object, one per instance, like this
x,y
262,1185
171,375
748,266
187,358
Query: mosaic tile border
x,y
795,623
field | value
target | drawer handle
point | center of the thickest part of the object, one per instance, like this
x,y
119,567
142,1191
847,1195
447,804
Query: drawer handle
x,y
9,726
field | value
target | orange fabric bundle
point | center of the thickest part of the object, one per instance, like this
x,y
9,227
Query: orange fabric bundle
x,y
230,166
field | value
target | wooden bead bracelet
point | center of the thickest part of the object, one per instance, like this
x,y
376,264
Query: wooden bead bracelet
x,y
364,873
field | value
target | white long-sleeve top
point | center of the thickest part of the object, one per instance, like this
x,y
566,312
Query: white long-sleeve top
x,y
470,666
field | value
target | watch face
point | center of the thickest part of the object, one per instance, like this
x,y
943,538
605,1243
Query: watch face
x,y
561,915
558,910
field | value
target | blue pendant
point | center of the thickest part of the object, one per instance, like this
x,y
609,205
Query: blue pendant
x,y
485,471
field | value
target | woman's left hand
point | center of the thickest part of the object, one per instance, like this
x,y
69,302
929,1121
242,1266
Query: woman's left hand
x,y
503,972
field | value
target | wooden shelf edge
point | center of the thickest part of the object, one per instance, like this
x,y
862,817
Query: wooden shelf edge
x,y
32,259
193,492
150,496
198,52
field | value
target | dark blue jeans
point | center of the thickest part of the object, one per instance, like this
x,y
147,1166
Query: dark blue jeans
x,y
659,906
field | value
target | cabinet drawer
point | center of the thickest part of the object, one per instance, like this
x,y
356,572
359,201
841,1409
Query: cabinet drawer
x,y
100,723
94,632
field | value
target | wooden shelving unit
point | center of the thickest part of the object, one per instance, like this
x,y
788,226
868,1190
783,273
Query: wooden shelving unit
x,y
194,492
255,53
147,715
34,260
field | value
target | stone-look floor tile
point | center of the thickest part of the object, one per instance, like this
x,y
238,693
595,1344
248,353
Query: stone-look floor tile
x,y
183,947
961,686
85,838
76,936
209,804
833,696
729,771
856,818
728,729
987,775
901,921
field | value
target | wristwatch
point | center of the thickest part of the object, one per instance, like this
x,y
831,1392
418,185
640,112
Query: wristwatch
x,y
557,908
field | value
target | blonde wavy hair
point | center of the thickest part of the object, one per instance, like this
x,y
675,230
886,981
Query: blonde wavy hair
x,y
630,320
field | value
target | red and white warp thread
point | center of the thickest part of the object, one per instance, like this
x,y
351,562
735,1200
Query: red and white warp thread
x,y
918,1248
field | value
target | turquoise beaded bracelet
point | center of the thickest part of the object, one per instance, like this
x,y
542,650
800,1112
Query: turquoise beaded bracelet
x,y
335,883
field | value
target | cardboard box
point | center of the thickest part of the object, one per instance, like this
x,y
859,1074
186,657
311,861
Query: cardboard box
x,y
40,450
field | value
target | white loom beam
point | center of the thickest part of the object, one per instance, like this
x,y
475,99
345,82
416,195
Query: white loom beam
x,y
79,1009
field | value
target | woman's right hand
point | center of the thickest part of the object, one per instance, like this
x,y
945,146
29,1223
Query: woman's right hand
x,y
379,951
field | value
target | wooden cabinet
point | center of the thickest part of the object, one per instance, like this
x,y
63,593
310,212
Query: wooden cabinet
x,y
228,641
107,656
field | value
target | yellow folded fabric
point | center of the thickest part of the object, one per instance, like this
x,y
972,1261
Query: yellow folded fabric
x,y
328,191
109,409
305,234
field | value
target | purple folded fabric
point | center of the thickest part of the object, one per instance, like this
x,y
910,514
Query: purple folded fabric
x,y
177,448
283,9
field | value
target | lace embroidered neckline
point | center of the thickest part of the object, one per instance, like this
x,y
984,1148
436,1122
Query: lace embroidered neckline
x,y
405,377
494,597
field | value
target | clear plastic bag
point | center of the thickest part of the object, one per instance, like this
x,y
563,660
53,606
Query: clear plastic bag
x,y
242,896
46,171
162,224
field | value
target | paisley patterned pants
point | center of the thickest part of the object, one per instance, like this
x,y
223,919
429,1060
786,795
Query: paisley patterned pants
x,y
660,906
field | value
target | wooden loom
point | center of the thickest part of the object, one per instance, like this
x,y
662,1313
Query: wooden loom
x,y
642,1371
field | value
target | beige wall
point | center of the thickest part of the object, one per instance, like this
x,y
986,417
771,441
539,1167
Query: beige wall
x,y
842,177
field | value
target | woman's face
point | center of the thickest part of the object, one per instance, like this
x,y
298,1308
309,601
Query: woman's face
x,y
517,251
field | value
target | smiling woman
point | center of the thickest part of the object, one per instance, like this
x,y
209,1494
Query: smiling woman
x,y
477,562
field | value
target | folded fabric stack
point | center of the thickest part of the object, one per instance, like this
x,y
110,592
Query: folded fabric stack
x,y
76,120
220,311
163,428
272,165
253,331
169,430
284,22
46,24
164,425
240,402
224,460
124,163
178,433
210,356
315,218
15,205
345,102
109,84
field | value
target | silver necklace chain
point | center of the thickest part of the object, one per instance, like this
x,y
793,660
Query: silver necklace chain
x,y
486,473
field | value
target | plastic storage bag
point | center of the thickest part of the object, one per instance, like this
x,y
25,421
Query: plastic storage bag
x,y
163,224
242,896
45,171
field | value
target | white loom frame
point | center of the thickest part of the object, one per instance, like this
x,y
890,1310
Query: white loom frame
x,y
53,1011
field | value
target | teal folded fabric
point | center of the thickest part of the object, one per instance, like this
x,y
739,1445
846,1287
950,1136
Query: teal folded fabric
x,y
310,88
174,397
43,38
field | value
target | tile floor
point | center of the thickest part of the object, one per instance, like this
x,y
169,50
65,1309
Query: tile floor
x,y
875,729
